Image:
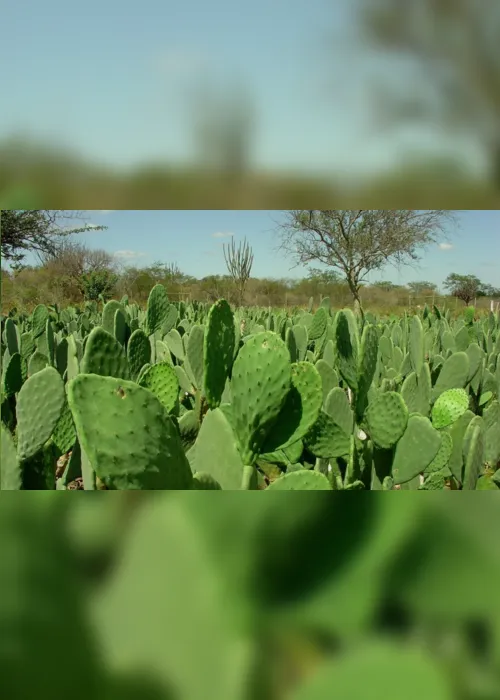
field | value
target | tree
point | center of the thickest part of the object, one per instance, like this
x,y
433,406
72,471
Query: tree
x,y
455,42
385,285
98,284
467,287
420,288
38,230
357,241
239,263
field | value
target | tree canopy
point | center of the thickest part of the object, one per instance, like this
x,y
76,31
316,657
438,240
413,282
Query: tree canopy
x,y
37,230
357,241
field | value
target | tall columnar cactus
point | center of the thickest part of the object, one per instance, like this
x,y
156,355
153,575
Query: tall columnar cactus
x,y
261,380
132,442
218,349
39,406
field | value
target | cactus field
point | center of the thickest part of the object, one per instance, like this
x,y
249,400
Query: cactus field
x,y
191,396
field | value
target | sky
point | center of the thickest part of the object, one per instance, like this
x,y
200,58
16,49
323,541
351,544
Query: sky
x,y
194,241
112,80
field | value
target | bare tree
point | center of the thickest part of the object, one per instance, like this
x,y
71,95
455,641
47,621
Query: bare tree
x,y
239,263
357,241
455,42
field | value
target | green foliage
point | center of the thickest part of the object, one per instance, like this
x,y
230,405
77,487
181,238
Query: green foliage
x,y
242,400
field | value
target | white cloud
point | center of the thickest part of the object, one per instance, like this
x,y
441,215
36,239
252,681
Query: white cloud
x,y
446,246
128,254
220,234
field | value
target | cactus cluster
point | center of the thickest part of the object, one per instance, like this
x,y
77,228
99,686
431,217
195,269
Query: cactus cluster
x,y
196,396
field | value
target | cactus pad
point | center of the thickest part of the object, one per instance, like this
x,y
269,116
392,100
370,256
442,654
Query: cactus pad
x,y
39,406
386,419
449,407
261,380
301,480
162,380
416,449
132,442
104,355
218,351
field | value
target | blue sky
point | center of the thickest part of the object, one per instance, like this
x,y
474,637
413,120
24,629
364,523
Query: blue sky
x,y
111,79
193,240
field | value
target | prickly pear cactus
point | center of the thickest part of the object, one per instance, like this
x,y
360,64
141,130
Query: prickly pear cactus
x,y
157,309
449,407
162,380
218,349
138,352
300,410
104,355
301,480
10,468
416,449
132,442
39,406
386,419
261,380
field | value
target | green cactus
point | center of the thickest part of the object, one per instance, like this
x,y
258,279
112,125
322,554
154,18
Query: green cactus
x,y
64,435
301,341
162,381
453,375
416,449
138,352
261,380
205,482
120,327
132,442
440,461
491,417
449,407
10,468
319,323
301,480
386,419
416,391
108,315
327,439
12,379
474,458
367,367
39,320
173,340
337,407
300,410
347,349
11,337
291,344
38,409
218,348
195,353
329,377
104,355
157,309
215,452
